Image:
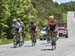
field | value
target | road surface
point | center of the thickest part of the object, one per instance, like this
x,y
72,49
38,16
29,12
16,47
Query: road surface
x,y
65,46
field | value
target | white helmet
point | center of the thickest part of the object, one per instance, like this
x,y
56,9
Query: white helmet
x,y
14,20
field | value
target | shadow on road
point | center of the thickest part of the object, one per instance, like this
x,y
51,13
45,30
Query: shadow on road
x,y
47,45
11,47
43,43
47,49
28,46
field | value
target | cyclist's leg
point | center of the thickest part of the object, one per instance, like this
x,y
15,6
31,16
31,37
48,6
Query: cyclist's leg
x,y
51,39
33,38
48,36
54,40
31,33
21,39
16,39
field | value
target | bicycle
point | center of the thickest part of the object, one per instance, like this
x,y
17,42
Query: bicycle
x,y
48,36
53,39
17,41
33,38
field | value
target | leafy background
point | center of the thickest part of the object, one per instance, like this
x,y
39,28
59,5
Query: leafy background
x,y
28,10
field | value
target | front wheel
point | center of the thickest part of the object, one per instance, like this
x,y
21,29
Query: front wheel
x,y
33,42
33,38
53,46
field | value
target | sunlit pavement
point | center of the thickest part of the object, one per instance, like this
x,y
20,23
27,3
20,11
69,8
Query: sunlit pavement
x,y
65,46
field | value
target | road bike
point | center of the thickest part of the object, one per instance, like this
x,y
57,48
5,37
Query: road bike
x,y
17,41
33,38
53,39
48,37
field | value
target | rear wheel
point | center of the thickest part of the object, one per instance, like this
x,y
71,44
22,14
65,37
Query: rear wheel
x,y
33,38
17,40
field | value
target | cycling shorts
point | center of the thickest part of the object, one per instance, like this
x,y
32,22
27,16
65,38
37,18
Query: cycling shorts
x,y
52,27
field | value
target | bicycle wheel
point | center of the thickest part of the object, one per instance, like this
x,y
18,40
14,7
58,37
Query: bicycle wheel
x,y
33,38
48,37
16,40
53,40
21,40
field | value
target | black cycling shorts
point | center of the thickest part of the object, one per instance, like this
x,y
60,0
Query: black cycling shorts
x,y
17,29
33,31
52,27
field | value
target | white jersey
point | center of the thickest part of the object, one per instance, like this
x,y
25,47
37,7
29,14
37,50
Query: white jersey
x,y
22,24
16,25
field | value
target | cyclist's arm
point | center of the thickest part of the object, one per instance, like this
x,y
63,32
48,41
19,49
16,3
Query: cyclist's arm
x,y
48,26
56,26
20,28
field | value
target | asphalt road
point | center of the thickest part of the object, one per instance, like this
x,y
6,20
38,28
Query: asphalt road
x,y
65,46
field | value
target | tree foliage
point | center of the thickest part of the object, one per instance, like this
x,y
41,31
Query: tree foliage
x,y
27,10
69,6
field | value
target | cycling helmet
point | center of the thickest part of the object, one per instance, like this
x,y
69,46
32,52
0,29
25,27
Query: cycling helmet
x,y
32,22
18,19
14,20
51,17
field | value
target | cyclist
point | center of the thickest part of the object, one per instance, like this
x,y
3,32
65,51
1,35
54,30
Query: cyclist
x,y
22,31
21,23
16,25
52,29
52,24
32,28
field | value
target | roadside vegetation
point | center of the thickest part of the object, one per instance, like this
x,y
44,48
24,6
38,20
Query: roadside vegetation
x,y
28,10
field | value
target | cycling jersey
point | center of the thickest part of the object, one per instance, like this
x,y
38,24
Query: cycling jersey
x,y
52,25
17,26
52,22
32,27
22,25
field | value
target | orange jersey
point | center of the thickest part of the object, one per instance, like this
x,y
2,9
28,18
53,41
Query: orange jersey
x,y
52,22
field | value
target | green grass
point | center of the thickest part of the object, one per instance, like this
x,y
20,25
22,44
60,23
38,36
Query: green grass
x,y
9,41
5,41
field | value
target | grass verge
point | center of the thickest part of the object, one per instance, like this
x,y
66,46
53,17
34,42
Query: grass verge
x,y
9,41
